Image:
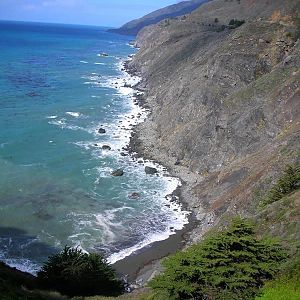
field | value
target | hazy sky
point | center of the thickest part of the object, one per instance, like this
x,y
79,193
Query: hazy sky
x,y
93,12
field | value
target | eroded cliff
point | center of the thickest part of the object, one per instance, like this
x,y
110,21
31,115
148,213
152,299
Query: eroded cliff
x,y
224,102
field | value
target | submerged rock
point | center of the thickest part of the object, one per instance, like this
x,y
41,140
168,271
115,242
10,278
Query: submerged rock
x,y
118,172
150,170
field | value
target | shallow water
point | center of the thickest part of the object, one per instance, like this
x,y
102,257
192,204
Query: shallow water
x,y
56,91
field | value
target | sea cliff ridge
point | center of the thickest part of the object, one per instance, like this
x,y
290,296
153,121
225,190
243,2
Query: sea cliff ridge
x,y
224,101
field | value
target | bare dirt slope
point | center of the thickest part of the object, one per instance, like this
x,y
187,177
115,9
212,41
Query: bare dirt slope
x,y
225,102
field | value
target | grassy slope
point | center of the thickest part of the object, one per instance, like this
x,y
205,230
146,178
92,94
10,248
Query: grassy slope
x,y
287,286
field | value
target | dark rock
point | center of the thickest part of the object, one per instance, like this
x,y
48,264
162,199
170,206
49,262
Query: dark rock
x,y
101,130
150,170
106,147
177,162
134,196
123,154
118,172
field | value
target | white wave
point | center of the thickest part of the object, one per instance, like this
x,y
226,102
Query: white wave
x,y
51,117
103,172
92,82
84,145
24,265
84,62
99,63
73,114
108,223
63,125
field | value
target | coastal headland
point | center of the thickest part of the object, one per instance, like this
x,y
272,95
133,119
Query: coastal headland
x,y
224,104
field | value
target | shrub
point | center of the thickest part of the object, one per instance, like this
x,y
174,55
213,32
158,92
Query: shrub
x,y
233,23
75,273
287,286
231,264
287,183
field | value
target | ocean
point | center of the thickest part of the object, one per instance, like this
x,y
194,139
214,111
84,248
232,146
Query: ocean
x,y
59,84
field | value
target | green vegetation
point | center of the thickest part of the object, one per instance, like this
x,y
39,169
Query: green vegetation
x,y
284,287
75,273
233,23
10,283
231,264
287,183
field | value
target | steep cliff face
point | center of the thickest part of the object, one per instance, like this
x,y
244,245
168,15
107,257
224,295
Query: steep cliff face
x,y
178,9
225,102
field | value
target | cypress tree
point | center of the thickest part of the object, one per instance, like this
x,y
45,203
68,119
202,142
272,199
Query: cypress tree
x,y
231,264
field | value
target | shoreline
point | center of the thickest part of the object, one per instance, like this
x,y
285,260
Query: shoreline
x,y
127,84
142,265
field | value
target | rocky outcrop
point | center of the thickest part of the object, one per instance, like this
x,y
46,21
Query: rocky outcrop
x,y
118,173
225,102
150,170
101,130
172,11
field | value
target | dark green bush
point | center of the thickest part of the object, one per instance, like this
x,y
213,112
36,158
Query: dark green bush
x,y
231,264
287,183
75,273
233,23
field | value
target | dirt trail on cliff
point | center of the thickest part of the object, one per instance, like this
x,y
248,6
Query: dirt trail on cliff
x,y
224,101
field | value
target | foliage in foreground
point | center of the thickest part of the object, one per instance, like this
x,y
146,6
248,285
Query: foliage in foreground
x,y
231,264
287,183
285,287
75,273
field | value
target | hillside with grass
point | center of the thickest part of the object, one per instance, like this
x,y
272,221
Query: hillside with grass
x,y
172,11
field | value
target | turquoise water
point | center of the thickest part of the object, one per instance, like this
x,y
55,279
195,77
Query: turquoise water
x,y
56,188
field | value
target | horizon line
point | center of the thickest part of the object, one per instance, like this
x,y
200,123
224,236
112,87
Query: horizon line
x,y
55,23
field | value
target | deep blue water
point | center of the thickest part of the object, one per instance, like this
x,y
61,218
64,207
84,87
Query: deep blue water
x,y
56,188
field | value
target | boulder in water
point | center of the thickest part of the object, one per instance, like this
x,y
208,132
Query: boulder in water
x,y
134,196
118,172
150,170
106,147
101,130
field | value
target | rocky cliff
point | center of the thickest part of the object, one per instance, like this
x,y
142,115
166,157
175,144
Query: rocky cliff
x,y
172,11
225,102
